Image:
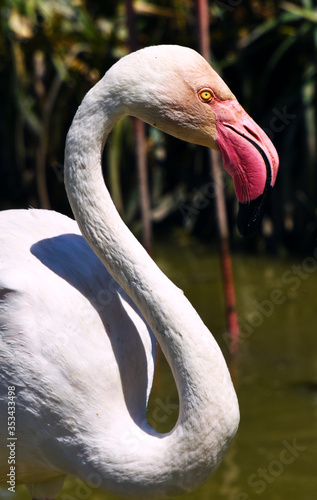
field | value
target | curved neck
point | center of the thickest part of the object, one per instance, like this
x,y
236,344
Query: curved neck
x,y
208,415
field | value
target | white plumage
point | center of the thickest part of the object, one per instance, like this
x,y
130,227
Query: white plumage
x,y
77,318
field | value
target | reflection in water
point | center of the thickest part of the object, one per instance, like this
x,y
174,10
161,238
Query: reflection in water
x,y
231,471
274,454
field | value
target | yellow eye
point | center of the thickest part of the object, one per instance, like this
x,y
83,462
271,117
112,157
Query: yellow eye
x,y
206,95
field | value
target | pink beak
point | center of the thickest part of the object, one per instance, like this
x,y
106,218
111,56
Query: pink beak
x,y
249,157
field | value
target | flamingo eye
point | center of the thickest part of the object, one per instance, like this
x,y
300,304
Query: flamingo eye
x,y
206,95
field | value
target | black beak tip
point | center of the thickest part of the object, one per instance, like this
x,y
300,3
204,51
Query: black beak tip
x,y
250,214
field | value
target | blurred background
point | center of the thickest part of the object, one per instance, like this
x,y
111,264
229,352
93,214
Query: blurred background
x,y
51,53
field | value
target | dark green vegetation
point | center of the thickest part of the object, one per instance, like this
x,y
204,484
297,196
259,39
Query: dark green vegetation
x,y
52,52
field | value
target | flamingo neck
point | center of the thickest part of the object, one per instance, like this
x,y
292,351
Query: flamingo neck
x,y
208,416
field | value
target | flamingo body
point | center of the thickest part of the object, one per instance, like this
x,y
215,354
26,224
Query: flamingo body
x,y
94,315
82,303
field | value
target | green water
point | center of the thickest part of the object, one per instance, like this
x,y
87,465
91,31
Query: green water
x,y
274,455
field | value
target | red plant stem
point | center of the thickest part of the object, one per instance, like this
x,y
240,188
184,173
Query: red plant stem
x,y
216,171
140,141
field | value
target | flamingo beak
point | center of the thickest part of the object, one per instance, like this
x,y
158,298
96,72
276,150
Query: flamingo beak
x,y
250,158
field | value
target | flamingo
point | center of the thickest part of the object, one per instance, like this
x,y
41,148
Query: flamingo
x,y
82,303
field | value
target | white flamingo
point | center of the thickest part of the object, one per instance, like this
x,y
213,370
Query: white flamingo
x,y
76,318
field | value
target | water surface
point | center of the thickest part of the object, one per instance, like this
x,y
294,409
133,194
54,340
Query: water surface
x,y
274,455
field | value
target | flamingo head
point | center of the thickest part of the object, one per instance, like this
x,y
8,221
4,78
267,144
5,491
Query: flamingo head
x,y
174,89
